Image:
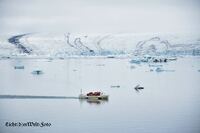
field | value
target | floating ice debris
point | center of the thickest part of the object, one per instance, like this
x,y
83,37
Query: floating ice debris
x,y
61,58
115,86
151,59
37,72
19,67
49,59
135,61
196,52
155,65
138,88
159,60
110,56
172,59
100,65
132,67
154,59
169,70
5,57
159,69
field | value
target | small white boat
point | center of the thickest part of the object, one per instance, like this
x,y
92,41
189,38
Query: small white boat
x,y
94,95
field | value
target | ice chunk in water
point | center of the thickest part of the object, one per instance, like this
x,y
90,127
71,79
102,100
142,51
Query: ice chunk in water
x,y
159,69
37,72
19,67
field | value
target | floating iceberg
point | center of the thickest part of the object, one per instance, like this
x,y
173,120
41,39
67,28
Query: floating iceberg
x,y
159,69
135,61
37,72
19,67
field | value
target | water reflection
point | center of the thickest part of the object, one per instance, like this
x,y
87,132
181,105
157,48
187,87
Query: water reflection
x,y
93,101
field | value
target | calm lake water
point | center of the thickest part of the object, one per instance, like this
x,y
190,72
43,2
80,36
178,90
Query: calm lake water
x,y
169,102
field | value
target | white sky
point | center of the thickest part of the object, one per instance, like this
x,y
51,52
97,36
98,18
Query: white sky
x,y
99,16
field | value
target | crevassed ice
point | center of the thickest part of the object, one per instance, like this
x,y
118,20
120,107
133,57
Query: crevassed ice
x,y
70,45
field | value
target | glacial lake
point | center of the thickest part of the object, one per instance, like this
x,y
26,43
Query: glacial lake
x,y
169,102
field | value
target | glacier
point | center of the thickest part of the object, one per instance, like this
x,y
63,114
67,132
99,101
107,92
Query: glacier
x,y
67,45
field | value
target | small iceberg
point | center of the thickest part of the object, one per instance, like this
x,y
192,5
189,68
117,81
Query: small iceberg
x,y
138,88
115,86
151,59
110,56
37,72
19,67
159,69
150,65
162,70
49,59
159,60
5,57
61,58
169,70
135,61
132,67
172,59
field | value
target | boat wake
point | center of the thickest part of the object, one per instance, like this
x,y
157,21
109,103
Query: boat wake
x,y
34,97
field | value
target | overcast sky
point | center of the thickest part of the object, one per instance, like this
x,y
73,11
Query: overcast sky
x,y
99,16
